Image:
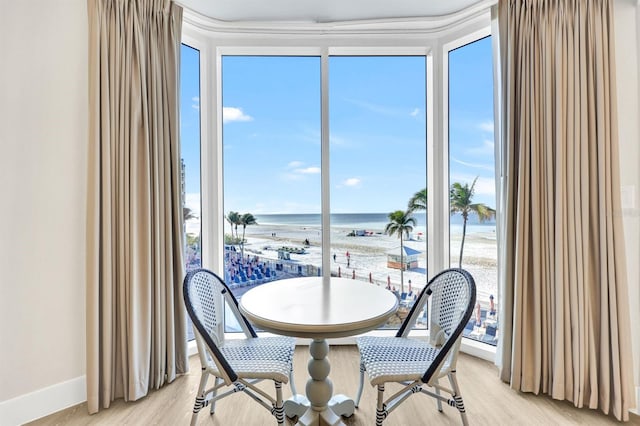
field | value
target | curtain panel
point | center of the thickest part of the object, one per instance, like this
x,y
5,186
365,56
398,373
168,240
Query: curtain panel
x,y
136,329
563,277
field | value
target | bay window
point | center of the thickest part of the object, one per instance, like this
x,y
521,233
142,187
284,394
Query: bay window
x,y
309,153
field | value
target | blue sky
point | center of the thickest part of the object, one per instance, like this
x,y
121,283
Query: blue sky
x,y
271,130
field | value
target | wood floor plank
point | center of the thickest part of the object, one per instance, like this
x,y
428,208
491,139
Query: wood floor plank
x,y
488,401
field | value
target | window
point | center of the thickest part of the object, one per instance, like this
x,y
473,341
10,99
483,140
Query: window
x,y
271,151
309,145
190,157
472,238
272,167
377,117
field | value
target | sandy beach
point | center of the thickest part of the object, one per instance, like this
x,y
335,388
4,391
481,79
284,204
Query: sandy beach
x,y
368,254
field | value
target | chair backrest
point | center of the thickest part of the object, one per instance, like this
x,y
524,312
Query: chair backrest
x,y
453,296
204,295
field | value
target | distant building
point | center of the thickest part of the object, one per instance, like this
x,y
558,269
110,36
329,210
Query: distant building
x,y
409,257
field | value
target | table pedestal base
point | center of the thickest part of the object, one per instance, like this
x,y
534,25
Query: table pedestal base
x,y
299,406
320,405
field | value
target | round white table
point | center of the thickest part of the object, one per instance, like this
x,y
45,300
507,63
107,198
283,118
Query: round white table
x,y
309,307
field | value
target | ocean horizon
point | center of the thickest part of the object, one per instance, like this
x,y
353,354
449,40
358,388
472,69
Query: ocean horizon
x,y
368,221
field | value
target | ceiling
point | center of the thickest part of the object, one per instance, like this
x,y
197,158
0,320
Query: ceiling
x,y
324,10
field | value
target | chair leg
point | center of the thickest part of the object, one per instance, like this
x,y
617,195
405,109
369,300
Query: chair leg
x,y
292,383
359,395
278,409
215,392
457,397
381,409
200,397
438,393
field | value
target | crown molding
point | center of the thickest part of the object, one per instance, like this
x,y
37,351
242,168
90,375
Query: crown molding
x,y
403,26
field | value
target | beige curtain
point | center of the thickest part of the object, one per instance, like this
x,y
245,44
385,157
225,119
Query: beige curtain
x,y
136,330
567,332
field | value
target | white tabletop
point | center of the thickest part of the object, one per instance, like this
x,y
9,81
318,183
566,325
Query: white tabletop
x,y
304,307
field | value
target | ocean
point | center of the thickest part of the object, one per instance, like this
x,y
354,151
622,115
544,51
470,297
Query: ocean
x,y
370,221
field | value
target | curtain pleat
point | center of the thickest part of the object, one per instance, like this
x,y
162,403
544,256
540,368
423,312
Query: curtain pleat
x,y
136,328
566,324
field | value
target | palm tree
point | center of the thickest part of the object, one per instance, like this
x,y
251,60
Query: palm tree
x,y
187,214
418,201
400,223
246,219
234,220
460,199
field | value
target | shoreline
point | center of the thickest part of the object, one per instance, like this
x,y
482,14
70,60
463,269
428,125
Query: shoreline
x,y
368,254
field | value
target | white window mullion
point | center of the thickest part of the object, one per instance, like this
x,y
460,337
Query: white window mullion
x,y
325,176
437,170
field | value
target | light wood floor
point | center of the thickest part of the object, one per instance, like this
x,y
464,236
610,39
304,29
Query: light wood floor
x,y
488,402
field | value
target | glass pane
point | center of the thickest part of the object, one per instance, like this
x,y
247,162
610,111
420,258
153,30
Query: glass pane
x,y
472,180
272,187
378,163
190,156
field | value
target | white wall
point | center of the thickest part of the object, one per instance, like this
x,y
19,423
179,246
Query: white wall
x,y
627,15
43,129
43,134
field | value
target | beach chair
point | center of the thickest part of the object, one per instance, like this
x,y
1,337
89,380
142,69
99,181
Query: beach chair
x,y
412,364
404,301
236,365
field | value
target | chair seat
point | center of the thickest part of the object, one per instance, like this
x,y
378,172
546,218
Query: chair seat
x,y
408,362
397,359
259,358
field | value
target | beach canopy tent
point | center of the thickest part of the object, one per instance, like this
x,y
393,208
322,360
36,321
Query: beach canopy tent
x,y
410,258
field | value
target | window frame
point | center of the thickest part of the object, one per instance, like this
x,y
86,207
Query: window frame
x,y
469,346
214,40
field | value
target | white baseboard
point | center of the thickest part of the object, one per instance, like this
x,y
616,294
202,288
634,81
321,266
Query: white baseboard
x,y
43,402
637,409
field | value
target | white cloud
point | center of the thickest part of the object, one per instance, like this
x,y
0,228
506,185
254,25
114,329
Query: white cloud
x,y
337,140
234,114
486,148
484,185
196,103
354,182
378,109
486,126
415,112
308,170
473,165
291,176
297,171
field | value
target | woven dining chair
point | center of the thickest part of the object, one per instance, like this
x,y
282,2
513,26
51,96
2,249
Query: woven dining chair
x,y
414,364
237,365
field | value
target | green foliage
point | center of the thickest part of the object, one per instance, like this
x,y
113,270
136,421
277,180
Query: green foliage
x,y
418,201
400,223
187,214
231,240
460,201
193,240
